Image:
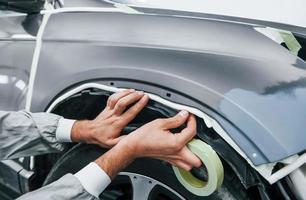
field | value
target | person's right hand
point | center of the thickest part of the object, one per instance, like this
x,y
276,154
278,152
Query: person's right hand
x,y
155,140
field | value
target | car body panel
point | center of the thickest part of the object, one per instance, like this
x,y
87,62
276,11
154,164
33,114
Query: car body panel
x,y
274,10
17,45
199,10
251,85
88,3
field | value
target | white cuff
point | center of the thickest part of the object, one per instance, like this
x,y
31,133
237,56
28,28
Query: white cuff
x,y
63,131
93,179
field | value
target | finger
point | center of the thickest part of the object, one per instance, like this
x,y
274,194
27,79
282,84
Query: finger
x,y
131,113
172,163
114,141
176,121
114,98
187,133
124,102
176,163
190,158
185,155
182,165
167,157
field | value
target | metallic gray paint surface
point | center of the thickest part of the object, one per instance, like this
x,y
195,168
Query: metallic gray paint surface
x,y
99,3
288,27
15,62
251,85
87,3
16,52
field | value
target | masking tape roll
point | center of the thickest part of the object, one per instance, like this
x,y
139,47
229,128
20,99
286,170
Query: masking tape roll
x,y
214,169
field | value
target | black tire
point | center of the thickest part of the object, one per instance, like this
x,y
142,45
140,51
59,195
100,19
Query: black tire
x,y
80,155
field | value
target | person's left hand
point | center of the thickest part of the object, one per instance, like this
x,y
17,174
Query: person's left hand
x,y
106,128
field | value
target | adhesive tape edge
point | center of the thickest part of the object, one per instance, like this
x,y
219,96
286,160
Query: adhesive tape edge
x,y
213,164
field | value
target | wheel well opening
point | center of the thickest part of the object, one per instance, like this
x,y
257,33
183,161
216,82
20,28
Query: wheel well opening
x,y
88,103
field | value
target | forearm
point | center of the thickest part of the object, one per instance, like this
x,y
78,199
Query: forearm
x,y
116,159
96,176
83,131
66,188
26,134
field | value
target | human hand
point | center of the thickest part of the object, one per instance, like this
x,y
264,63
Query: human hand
x,y
106,128
155,140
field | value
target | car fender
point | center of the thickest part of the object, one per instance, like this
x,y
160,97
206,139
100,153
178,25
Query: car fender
x,y
224,68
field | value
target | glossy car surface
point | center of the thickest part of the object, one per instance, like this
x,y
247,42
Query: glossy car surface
x,y
252,86
223,65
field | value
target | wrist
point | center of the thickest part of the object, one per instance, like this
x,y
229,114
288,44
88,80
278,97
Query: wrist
x,y
115,159
82,131
129,147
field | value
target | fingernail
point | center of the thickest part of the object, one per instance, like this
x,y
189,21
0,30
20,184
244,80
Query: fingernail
x,y
131,90
199,164
140,92
145,97
183,113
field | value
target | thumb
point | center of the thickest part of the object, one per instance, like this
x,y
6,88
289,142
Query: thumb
x,y
114,141
177,120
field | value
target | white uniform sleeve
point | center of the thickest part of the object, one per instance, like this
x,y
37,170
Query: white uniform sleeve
x,y
93,179
66,188
63,131
27,134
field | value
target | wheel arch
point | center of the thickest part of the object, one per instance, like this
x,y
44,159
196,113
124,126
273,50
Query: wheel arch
x,y
243,171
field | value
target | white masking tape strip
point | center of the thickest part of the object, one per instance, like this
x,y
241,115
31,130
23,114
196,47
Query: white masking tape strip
x,y
23,37
211,123
271,33
126,8
281,36
264,169
287,169
82,9
214,169
35,60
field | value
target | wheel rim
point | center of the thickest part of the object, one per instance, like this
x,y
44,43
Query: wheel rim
x,y
136,186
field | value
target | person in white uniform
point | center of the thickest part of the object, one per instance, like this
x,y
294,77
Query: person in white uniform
x,y
28,134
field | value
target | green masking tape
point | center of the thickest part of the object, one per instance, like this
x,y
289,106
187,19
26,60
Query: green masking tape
x,y
291,42
214,169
